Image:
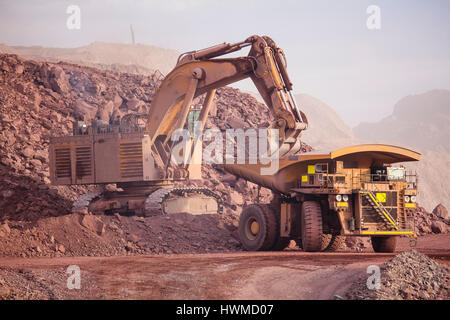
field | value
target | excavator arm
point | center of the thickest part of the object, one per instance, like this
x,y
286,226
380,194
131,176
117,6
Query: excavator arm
x,y
203,71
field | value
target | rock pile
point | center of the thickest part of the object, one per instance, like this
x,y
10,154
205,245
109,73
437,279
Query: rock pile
x,y
408,276
437,221
89,235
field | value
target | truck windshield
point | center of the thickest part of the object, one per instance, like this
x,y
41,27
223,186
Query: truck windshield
x,y
396,174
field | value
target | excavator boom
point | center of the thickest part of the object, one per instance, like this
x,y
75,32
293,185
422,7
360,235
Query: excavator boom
x,y
201,71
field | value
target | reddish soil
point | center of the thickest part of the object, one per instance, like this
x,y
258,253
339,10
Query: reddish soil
x,y
244,275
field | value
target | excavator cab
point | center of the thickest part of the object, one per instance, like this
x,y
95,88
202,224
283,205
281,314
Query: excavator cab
x,y
193,117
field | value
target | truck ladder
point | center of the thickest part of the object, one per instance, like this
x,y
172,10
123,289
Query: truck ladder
x,y
379,208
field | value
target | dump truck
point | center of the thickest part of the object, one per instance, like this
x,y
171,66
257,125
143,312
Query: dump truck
x,y
322,197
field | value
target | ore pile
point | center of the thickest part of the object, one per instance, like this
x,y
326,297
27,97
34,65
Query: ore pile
x,y
437,221
90,235
408,276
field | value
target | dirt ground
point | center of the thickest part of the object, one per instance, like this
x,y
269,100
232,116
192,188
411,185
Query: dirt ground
x,y
243,275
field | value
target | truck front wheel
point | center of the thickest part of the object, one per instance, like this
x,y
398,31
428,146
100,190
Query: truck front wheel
x,y
311,226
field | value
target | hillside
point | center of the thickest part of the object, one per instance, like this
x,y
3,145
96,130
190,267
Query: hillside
x,y
138,58
420,121
434,178
326,129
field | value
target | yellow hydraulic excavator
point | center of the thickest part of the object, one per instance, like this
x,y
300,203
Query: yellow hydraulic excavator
x,y
139,158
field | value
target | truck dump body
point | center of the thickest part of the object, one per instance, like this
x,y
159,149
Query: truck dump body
x,y
287,177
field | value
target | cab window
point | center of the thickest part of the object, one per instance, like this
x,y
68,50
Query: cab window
x,y
396,174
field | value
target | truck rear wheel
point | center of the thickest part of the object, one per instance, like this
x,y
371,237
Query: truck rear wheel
x,y
257,228
384,244
311,220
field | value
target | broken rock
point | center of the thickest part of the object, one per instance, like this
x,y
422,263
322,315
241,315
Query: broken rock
x,y
4,228
92,223
438,227
58,80
441,211
28,152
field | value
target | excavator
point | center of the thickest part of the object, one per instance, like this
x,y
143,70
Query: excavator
x,y
137,158
319,198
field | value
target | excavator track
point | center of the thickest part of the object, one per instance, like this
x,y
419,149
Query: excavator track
x,y
82,203
154,203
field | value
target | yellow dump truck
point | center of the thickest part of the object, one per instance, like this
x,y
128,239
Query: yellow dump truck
x,y
322,197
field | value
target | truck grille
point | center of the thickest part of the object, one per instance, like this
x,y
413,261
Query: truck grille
x,y
131,160
63,166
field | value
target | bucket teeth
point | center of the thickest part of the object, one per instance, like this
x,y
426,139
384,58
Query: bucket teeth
x,y
153,205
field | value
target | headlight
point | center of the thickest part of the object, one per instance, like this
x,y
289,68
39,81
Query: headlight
x,y
338,198
413,199
407,198
345,197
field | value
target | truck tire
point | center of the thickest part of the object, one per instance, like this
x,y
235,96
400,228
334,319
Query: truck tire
x,y
384,244
257,228
335,243
311,220
325,241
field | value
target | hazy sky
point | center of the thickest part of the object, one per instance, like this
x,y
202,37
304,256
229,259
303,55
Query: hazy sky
x,y
331,53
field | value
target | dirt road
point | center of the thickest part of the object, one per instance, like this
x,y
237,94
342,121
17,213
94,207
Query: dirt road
x,y
265,275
